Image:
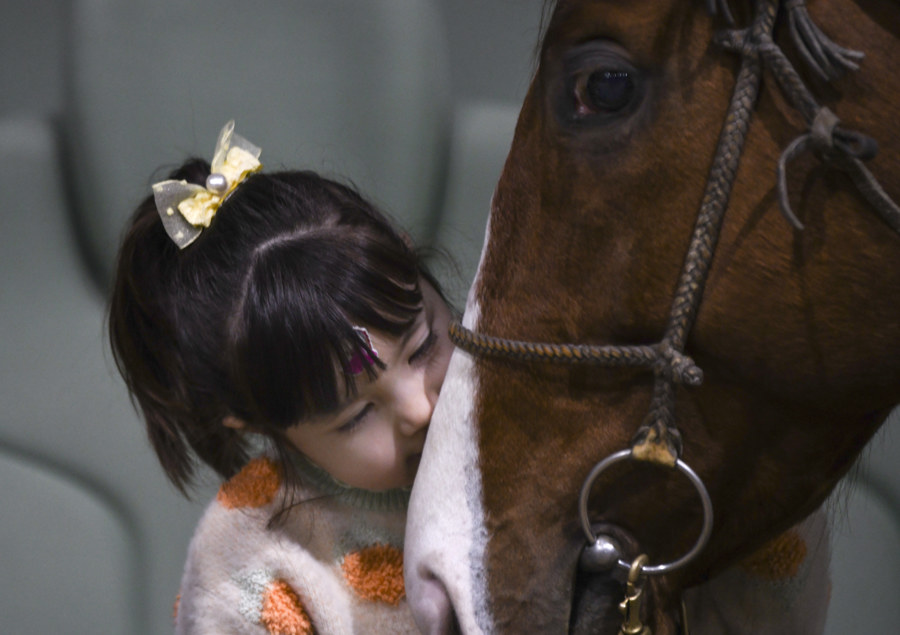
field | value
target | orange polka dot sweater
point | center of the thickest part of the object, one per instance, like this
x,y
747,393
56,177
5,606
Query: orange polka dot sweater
x,y
333,566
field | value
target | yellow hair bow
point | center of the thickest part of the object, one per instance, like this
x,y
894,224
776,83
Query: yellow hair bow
x,y
187,209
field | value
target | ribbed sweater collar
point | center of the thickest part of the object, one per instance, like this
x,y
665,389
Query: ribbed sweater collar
x,y
319,479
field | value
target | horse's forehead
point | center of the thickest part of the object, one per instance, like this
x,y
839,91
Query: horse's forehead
x,y
637,24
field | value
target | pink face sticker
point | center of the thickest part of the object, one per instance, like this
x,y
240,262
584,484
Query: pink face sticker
x,y
363,359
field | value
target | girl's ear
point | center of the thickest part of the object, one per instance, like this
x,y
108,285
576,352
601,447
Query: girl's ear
x,y
234,423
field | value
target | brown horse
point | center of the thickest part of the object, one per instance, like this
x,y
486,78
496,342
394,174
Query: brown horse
x,y
768,374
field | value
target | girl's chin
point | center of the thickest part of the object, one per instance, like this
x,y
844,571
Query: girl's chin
x,y
402,477
403,480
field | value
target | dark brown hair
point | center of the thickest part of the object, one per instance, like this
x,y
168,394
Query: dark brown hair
x,y
254,320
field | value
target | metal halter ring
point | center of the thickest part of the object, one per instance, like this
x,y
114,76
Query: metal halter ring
x,y
659,569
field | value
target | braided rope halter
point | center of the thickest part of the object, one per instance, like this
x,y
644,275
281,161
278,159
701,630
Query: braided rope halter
x,y
658,439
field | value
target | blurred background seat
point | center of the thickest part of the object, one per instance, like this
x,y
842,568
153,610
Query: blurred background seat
x,y
358,89
100,98
865,566
413,100
91,534
482,133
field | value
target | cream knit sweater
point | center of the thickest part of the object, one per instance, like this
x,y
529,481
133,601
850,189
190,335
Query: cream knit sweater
x,y
333,566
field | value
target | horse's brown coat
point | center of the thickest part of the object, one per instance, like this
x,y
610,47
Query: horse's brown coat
x,y
798,333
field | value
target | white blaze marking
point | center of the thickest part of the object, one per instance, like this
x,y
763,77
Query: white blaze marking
x,y
445,533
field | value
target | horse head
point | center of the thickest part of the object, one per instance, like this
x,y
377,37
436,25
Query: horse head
x,y
767,374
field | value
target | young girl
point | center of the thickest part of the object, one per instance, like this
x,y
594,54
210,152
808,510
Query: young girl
x,y
284,308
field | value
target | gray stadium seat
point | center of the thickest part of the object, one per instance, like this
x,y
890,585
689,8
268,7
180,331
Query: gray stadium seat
x,y
92,536
482,133
865,568
356,88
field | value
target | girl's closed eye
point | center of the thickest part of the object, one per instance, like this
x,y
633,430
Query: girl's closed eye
x,y
353,423
424,349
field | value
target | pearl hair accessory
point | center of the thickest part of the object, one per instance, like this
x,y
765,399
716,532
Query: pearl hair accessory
x,y
217,183
187,209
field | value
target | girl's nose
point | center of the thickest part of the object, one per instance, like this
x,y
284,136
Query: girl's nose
x,y
415,407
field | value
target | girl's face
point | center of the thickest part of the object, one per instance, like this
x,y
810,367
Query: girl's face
x,y
374,440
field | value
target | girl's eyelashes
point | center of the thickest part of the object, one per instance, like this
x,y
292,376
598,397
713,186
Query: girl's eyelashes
x,y
356,420
425,348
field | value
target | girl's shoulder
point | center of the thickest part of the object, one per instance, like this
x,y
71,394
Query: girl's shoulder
x,y
329,554
262,485
258,485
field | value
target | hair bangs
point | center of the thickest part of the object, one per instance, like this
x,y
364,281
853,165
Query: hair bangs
x,y
379,287
293,339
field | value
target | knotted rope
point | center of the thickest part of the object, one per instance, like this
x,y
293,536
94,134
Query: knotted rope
x,y
834,144
658,439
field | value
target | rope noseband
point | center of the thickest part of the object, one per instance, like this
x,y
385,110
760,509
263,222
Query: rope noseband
x,y
658,439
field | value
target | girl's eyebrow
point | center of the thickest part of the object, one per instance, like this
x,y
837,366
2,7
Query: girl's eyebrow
x,y
422,316
327,418
413,329
339,409
324,417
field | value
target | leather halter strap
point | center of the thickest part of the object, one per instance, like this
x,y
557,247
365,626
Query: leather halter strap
x,y
658,439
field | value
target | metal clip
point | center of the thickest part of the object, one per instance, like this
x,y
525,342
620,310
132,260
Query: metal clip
x,y
630,607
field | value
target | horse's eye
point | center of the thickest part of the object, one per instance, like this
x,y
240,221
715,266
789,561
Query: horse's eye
x,y
597,89
603,91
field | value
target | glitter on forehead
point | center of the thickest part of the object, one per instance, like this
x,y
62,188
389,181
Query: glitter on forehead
x,y
365,356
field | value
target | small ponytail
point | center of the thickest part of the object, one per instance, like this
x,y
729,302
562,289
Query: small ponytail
x,y
148,351
253,319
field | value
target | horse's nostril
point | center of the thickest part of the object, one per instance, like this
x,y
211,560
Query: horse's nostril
x,y
433,609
